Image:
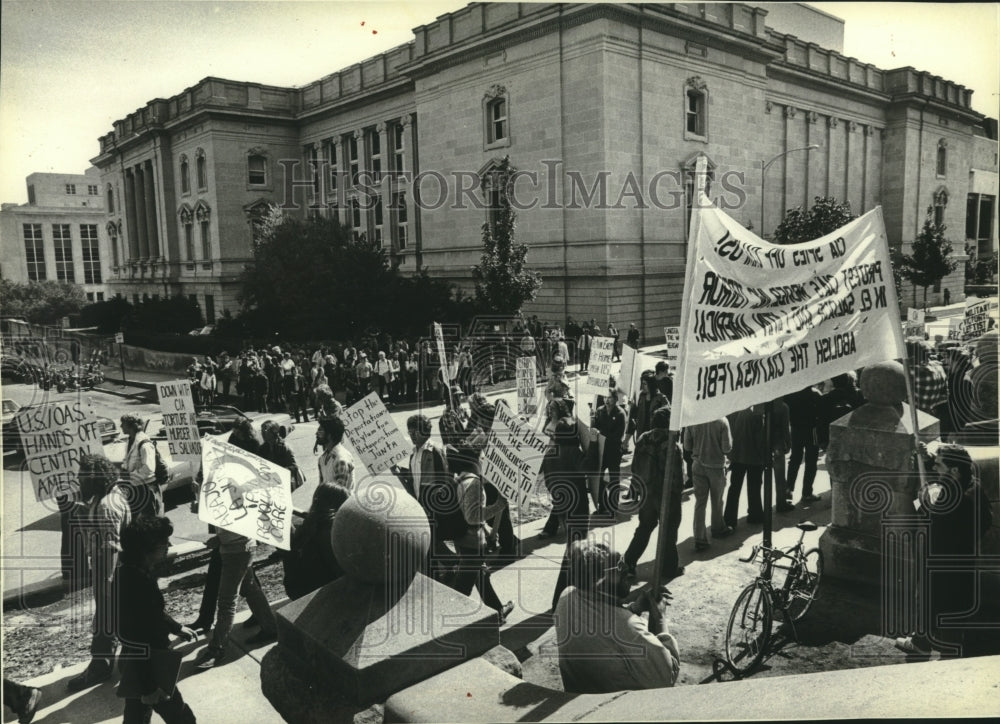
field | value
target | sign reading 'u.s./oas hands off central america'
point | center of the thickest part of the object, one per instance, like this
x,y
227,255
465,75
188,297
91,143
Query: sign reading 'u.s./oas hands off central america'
x,y
245,494
761,320
54,437
512,457
373,435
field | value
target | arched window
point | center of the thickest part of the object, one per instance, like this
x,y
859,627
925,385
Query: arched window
x,y
940,204
111,200
203,215
201,169
256,170
187,231
112,237
185,176
941,166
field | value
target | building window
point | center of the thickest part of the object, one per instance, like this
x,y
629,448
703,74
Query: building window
x,y
493,192
185,176
980,213
497,130
695,108
355,215
209,309
34,252
63,243
378,221
91,254
257,170
206,240
187,226
940,204
398,159
941,165
111,200
92,191
375,145
113,240
401,225
312,161
71,189
100,296
352,158
90,296
201,170
331,152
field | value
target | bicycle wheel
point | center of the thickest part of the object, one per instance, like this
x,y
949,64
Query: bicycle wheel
x,y
802,584
749,629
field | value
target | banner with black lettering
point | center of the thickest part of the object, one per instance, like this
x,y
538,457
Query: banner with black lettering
x,y
761,320
54,436
180,421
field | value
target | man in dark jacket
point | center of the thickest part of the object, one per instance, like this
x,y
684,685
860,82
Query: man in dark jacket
x,y
610,422
427,481
803,416
144,625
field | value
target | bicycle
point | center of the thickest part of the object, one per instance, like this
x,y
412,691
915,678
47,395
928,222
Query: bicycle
x,y
749,630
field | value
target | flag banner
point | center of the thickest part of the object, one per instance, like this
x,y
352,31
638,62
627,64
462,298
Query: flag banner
x,y
527,383
673,336
600,368
442,354
245,494
761,320
180,421
54,436
374,436
513,456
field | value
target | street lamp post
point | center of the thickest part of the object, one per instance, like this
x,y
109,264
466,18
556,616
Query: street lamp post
x,y
769,453
763,170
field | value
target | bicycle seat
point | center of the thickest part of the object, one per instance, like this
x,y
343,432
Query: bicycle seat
x,y
807,526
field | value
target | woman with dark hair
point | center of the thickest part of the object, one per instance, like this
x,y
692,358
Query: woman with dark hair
x,y
471,546
564,478
143,623
237,576
311,563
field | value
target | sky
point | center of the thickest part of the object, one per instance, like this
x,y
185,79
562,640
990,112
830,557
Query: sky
x,y
69,68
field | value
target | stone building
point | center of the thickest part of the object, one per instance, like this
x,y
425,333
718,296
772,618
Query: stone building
x,y
59,235
603,109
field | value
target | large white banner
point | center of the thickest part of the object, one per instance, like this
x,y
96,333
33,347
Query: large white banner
x,y
180,421
513,456
54,436
245,494
762,320
373,434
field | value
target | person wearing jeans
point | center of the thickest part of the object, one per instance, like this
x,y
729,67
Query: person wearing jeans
x,y
708,444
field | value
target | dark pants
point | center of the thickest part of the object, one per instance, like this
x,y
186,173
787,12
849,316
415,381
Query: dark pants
x,y
569,499
15,696
75,566
755,476
474,573
210,595
607,491
505,527
649,517
803,445
172,711
103,641
145,500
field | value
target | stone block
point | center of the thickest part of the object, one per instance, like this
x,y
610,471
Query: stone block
x,y
365,641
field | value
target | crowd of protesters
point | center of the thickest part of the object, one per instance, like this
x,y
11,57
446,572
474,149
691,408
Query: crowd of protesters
x,y
117,521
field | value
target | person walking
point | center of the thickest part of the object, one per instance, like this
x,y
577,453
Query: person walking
x,y
803,416
139,468
610,422
708,443
747,459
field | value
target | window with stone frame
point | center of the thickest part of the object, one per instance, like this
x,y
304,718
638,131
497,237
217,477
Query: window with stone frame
x,y
941,161
332,201
34,252
940,204
111,200
90,253
374,156
402,227
695,109
113,242
71,189
185,176
398,148
353,163
497,119
201,170
187,229
257,169
203,215
63,243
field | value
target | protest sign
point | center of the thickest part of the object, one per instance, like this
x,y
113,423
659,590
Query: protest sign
x,y
914,325
245,494
673,336
628,376
977,315
442,354
180,421
955,326
761,319
54,436
527,382
373,435
600,366
512,457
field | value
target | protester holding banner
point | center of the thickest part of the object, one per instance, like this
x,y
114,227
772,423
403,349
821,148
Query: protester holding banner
x,y
336,465
708,444
237,577
139,466
145,626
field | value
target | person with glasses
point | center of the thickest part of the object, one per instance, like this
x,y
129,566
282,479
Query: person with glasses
x,y
603,645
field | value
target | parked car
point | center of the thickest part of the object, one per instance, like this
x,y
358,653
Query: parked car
x,y
217,419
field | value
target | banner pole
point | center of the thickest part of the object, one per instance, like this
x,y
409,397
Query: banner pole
x,y
768,473
668,481
913,422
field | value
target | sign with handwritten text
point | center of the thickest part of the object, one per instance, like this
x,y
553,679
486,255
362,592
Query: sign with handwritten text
x,y
54,436
527,397
600,368
373,435
180,421
513,456
245,494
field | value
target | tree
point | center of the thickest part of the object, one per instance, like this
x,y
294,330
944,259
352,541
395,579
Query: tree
x,y
503,285
930,260
313,280
40,302
826,215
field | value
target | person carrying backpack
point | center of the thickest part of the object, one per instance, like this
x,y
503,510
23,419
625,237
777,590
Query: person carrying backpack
x,y
143,472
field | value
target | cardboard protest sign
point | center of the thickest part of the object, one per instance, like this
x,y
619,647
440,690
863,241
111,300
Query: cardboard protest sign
x,y
760,319
914,326
673,336
600,368
955,326
527,383
54,436
245,494
373,434
180,421
628,376
513,456
977,316
442,354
